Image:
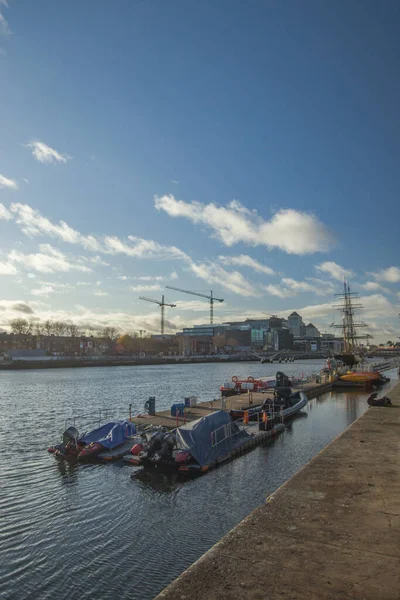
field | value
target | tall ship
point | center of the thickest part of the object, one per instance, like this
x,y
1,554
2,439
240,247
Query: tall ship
x,y
347,305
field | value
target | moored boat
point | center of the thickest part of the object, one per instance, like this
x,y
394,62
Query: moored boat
x,y
108,442
361,379
196,447
282,405
240,386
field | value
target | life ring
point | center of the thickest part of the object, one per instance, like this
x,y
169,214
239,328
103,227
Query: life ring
x,y
250,379
234,379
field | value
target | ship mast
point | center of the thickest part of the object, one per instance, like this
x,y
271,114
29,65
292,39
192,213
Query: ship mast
x,y
349,326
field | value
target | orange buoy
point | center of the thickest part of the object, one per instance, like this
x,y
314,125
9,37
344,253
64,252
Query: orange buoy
x,y
246,417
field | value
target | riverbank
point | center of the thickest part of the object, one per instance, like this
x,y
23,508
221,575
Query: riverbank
x,y
76,363
331,531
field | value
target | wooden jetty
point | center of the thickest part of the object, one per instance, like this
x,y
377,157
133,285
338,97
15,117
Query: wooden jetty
x,y
243,401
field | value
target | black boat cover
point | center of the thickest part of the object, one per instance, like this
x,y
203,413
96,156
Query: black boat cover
x,y
210,437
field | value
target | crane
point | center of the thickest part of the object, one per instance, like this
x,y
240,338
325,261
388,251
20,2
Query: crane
x,y
210,297
162,305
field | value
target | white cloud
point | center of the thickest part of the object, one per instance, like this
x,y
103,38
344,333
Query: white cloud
x,y
230,280
334,270
243,260
6,182
45,154
169,277
5,213
374,286
48,260
7,269
277,290
100,293
291,287
47,287
390,275
290,230
4,27
141,248
145,288
32,223
194,305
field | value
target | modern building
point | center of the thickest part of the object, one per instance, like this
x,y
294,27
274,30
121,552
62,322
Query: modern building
x,y
296,325
311,331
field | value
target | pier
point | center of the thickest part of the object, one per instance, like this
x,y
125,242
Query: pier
x,y
243,401
331,531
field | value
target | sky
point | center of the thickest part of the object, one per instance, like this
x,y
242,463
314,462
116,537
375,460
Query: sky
x,y
250,148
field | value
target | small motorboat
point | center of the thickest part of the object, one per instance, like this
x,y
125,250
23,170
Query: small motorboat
x,y
107,442
196,447
240,386
282,405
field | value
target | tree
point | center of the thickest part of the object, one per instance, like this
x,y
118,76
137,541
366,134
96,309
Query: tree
x,y
72,329
389,343
111,333
48,327
128,343
38,328
59,327
20,326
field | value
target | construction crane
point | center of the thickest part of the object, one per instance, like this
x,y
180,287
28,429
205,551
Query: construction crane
x,y
162,305
210,297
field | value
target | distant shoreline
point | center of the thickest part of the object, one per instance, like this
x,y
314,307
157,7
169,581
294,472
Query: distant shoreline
x,y
19,365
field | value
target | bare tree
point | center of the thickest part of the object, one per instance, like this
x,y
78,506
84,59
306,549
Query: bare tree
x,y
20,326
111,333
38,328
48,327
72,329
59,327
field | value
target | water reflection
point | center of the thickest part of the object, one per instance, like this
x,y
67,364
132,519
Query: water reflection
x,y
157,481
99,513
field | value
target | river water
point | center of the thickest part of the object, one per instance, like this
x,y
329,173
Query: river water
x,y
93,531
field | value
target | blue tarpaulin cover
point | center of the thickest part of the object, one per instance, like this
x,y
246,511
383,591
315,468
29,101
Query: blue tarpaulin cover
x,y
111,434
207,439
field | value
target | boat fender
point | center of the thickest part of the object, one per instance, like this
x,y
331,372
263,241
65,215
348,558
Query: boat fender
x,y
182,457
136,449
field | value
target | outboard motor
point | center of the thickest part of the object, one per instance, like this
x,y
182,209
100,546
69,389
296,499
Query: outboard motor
x,y
155,443
283,392
167,447
282,380
70,435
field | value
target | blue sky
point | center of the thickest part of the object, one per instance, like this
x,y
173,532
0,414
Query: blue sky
x,y
252,149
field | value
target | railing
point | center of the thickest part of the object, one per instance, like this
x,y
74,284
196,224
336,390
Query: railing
x,y
86,420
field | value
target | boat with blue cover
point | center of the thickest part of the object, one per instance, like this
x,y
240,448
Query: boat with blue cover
x,y
109,441
198,446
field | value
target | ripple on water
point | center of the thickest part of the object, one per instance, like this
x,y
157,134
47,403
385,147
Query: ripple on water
x,y
85,531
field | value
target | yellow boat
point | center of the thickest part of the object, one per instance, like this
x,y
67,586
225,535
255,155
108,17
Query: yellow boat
x,y
360,377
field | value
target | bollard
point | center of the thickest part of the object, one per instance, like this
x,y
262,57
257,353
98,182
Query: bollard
x,y
246,417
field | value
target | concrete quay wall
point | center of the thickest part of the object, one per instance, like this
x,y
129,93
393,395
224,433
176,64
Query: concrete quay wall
x,y
331,532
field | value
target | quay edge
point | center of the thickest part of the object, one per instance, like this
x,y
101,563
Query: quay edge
x,y
331,531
